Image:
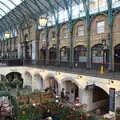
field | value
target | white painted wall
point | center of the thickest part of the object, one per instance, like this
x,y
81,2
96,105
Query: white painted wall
x,y
117,100
19,50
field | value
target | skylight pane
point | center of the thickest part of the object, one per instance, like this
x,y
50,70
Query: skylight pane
x,y
1,13
8,5
4,8
17,2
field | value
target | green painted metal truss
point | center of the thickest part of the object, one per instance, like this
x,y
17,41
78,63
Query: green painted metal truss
x,y
12,17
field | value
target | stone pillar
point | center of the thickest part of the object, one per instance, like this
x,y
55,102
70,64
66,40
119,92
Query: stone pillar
x,y
81,92
47,47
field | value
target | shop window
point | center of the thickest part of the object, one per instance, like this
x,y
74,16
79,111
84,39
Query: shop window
x,y
97,54
81,54
80,31
100,27
64,52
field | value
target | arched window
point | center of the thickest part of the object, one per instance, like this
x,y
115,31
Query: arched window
x,y
80,53
64,54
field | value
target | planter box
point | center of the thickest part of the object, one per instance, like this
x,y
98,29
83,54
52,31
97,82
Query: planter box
x,y
45,97
22,99
34,98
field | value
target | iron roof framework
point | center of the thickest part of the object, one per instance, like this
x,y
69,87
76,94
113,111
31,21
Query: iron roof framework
x,y
33,9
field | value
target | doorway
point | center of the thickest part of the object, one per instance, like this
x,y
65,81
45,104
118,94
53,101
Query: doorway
x,y
117,58
71,90
43,56
52,55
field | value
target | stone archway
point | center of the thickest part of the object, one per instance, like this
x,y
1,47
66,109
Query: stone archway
x,y
27,80
71,89
52,83
96,97
15,79
37,82
117,58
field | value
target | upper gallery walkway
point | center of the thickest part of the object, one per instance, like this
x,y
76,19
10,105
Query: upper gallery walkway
x,y
81,71
66,69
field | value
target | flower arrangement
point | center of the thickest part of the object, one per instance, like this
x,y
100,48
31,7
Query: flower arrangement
x,y
38,104
57,112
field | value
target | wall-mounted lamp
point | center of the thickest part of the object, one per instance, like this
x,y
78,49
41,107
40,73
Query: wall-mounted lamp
x,y
111,81
43,21
58,73
80,76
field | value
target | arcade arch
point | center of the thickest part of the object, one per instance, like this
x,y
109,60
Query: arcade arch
x,y
27,80
37,82
71,89
52,83
14,79
96,98
117,58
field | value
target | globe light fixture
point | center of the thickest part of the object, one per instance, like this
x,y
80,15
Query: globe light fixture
x,y
7,35
43,21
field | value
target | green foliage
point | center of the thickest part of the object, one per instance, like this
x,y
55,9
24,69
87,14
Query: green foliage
x,y
13,102
102,118
59,111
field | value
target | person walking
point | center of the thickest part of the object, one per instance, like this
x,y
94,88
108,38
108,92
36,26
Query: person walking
x,y
62,94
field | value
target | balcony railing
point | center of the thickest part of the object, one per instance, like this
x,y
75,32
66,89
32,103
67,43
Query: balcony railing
x,y
79,68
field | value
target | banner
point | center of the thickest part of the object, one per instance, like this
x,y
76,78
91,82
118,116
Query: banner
x,y
112,99
33,50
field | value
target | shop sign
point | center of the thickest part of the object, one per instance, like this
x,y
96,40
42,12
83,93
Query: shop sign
x,y
97,59
64,59
82,59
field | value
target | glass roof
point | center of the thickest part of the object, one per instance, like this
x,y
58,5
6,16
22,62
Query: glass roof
x,y
8,5
33,9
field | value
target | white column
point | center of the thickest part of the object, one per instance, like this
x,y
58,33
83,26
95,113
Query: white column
x,y
81,92
19,50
